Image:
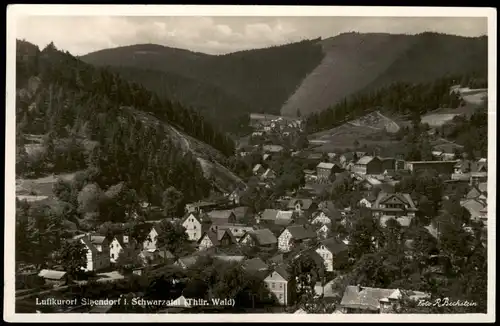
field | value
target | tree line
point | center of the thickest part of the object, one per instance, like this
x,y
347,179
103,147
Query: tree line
x,y
400,98
93,86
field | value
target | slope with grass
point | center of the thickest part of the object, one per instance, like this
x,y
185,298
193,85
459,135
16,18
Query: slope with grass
x,y
355,63
370,130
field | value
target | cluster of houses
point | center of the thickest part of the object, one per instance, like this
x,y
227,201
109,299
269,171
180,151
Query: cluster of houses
x,y
300,224
265,124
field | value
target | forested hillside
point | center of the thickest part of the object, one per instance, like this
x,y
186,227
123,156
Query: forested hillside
x,y
89,120
357,62
228,85
399,99
208,99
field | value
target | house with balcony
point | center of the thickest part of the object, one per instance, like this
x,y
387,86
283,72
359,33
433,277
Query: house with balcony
x,y
398,206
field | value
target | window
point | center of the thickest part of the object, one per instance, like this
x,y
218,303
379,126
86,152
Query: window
x,y
195,227
281,296
113,256
272,285
111,246
281,287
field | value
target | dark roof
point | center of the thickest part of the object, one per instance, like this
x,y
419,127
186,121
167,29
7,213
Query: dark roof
x,y
240,212
226,233
263,237
220,214
195,215
348,156
300,232
333,245
371,197
130,243
212,236
278,259
303,250
269,214
306,202
255,264
397,197
281,270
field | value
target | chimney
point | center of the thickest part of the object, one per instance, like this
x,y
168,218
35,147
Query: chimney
x,y
125,239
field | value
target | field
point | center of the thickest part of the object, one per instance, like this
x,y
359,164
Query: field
x,y
369,130
40,186
438,117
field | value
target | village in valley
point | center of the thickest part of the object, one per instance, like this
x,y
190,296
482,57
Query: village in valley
x,y
267,234
370,201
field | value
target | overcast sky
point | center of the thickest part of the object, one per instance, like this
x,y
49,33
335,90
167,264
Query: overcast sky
x,y
217,35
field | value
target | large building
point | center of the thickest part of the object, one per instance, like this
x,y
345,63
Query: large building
x,y
398,206
324,170
441,167
368,165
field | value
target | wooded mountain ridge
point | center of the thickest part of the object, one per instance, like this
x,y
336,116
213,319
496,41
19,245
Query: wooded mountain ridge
x,y
307,76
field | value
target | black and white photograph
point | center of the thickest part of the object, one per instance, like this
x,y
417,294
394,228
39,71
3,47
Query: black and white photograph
x,y
334,163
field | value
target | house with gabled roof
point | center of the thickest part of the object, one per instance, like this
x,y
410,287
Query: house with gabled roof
x,y
368,183
119,243
217,238
477,208
326,215
193,223
322,230
368,165
325,170
151,238
156,256
280,283
97,246
208,240
220,217
302,205
399,206
186,262
241,213
330,250
260,238
237,230
255,265
53,277
294,234
368,200
358,299
275,216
